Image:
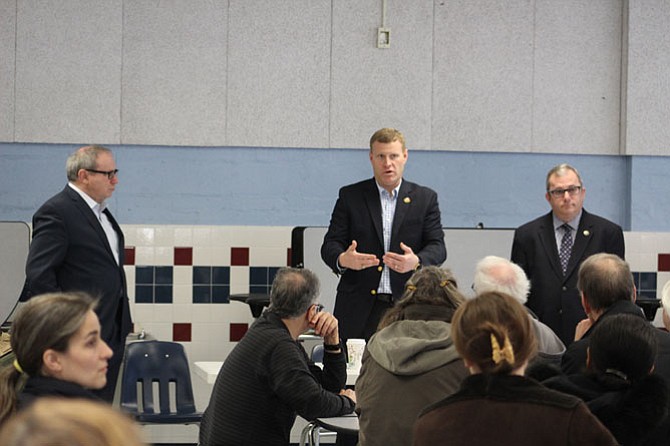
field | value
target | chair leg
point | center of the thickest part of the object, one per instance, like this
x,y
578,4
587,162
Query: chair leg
x,y
307,434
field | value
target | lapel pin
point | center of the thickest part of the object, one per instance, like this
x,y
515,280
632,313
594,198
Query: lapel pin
x,y
407,200
586,233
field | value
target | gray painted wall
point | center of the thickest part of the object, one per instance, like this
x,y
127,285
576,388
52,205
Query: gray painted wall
x,y
477,75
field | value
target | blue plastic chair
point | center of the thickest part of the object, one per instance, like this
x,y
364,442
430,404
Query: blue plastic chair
x,y
164,363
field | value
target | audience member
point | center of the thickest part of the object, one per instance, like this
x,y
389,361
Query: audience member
x,y
497,404
381,230
77,245
500,275
267,379
56,340
607,288
411,361
618,386
665,301
70,422
551,248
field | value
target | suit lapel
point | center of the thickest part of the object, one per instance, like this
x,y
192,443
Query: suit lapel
x,y
92,220
374,205
547,237
582,239
402,207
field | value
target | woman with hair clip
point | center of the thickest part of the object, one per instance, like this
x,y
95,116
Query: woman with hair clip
x,y
496,404
410,362
618,385
56,340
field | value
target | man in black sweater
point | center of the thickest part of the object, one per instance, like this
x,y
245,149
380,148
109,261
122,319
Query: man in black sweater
x,y
267,379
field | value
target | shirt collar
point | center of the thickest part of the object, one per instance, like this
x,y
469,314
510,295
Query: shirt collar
x,y
574,223
94,205
395,189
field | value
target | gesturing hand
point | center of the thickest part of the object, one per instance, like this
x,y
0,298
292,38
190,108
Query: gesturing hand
x,y
352,259
401,263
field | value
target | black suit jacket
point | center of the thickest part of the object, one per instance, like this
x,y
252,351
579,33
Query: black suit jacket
x,y
554,297
358,216
70,252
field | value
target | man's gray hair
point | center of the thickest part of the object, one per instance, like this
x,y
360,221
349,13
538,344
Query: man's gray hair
x,y
561,170
293,291
495,274
83,158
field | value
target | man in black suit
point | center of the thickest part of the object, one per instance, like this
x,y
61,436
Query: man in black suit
x,y
78,246
551,248
381,230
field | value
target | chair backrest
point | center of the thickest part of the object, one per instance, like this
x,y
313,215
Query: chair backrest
x,y
317,353
158,362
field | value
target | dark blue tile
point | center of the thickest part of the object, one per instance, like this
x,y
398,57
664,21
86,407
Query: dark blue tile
x,y
647,281
202,275
163,294
258,275
259,289
202,294
272,272
220,294
164,275
144,294
144,274
221,275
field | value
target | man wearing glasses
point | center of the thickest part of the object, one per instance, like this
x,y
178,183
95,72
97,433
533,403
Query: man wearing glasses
x,y
78,246
551,248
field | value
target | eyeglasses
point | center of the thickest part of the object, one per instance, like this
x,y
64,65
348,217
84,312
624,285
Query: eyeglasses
x,y
318,308
110,173
572,191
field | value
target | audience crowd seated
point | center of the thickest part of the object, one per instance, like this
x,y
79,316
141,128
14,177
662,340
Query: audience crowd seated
x,y
59,352
494,335
70,422
618,386
267,379
410,362
500,275
607,288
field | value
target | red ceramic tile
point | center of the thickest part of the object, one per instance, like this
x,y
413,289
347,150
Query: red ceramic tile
x,y
239,256
129,255
288,256
181,332
664,262
183,256
237,331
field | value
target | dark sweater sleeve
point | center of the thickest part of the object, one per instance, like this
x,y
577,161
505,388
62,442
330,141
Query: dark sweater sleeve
x,y
292,380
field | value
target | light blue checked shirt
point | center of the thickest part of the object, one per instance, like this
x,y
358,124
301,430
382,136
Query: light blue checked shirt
x,y
388,202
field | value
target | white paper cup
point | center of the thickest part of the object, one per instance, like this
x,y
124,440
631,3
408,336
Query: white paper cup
x,y
355,347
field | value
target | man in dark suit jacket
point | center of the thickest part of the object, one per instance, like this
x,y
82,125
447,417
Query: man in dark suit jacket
x,y
78,246
381,230
539,245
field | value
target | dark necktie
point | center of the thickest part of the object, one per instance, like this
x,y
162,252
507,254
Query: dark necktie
x,y
566,246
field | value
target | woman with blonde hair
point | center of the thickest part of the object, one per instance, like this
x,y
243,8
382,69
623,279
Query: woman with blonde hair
x,y
410,362
56,340
496,404
70,422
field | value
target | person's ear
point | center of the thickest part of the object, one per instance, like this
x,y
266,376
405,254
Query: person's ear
x,y
633,298
585,304
51,361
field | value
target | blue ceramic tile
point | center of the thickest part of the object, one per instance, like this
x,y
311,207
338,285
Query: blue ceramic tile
x,y
202,275
258,275
259,289
144,274
164,275
163,294
221,275
144,294
220,294
272,272
647,281
202,294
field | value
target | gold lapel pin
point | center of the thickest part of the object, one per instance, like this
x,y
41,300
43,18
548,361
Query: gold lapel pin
x,y
586,233
407,200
